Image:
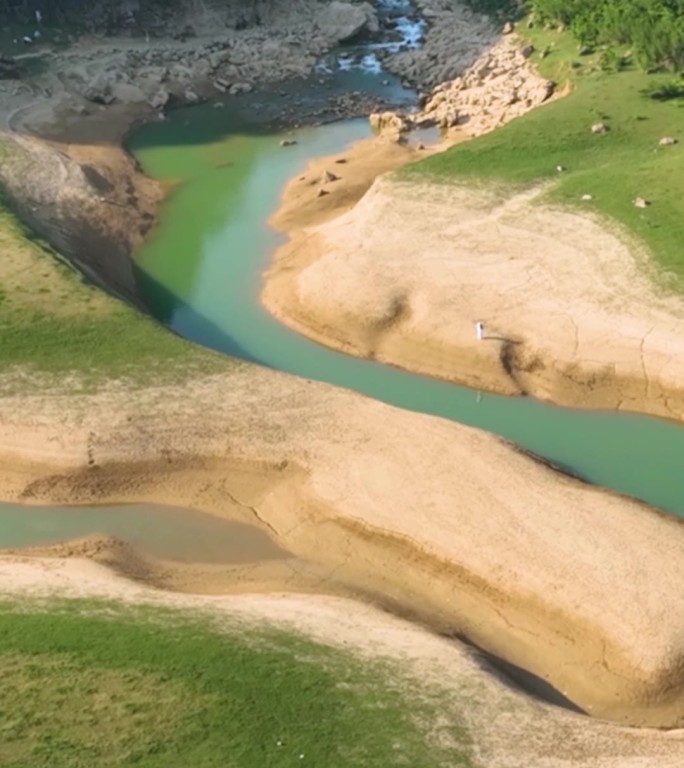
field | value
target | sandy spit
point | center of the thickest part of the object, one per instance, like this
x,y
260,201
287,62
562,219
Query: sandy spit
x,y
456,529
572,313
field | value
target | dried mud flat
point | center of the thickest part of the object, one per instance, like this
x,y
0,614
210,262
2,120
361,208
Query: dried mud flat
x,y
436,527
404,275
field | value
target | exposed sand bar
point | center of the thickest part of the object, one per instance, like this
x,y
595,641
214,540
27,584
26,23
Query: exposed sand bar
x,y
571,312
443,522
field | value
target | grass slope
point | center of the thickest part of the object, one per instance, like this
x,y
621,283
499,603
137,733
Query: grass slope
x,y
614,168
53,323
104,685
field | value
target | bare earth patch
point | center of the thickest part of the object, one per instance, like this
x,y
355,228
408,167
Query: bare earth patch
x,y
341,481
570,311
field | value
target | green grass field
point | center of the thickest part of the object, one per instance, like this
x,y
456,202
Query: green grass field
x,y
614,168
52,322
93,685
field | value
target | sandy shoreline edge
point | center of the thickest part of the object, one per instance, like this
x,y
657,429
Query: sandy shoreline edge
x,y
392,271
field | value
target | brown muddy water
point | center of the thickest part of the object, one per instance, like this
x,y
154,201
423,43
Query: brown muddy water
x,y
169,533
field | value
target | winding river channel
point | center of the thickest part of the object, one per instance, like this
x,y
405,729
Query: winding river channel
x,y
200,274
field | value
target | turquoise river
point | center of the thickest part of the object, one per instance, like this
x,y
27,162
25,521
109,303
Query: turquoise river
x,y
200,274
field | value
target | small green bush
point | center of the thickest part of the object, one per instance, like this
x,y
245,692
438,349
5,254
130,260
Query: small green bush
x,y
666,91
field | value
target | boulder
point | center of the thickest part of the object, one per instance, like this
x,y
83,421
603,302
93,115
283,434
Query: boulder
x,y
599,128
160,99
127,93
238,88
190,96
100,90
527,51
342,21
508,28
328,177
387,122
288,142
216,59
667,141
641,202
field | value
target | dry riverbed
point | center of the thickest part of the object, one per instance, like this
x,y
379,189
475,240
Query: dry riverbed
x,y
456,529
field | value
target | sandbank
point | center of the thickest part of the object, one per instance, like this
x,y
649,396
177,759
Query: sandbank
x,y
340,481
571,313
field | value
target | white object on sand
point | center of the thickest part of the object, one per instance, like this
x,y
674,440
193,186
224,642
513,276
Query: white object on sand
x,y
479,329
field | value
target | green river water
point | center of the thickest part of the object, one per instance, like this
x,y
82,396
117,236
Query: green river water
x,y
200,274
168,532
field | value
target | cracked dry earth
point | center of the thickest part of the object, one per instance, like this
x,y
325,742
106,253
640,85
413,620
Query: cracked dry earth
x,y
422,516
405,274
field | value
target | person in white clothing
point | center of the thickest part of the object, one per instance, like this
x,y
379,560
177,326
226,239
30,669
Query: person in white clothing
x,y
479,328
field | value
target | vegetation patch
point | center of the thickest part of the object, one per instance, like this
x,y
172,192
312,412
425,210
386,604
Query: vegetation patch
x,y
104,685
52,321
653,28
604,172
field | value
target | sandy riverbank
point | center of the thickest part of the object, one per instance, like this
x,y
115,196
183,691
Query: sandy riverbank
x,y
404,276
401,272
341,482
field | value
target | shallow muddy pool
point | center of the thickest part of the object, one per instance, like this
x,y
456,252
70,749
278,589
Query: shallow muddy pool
x,y
169,533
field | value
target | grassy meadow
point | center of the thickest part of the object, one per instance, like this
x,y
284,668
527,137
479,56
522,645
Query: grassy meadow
x,y
99,684
54,323
614,168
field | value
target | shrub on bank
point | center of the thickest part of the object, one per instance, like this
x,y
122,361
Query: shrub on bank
x,y
653,28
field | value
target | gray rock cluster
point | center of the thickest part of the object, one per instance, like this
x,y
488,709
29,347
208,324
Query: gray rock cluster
x,y
195,65
454,38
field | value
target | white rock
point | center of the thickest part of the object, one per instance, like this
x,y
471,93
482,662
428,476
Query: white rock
x,y
160,99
